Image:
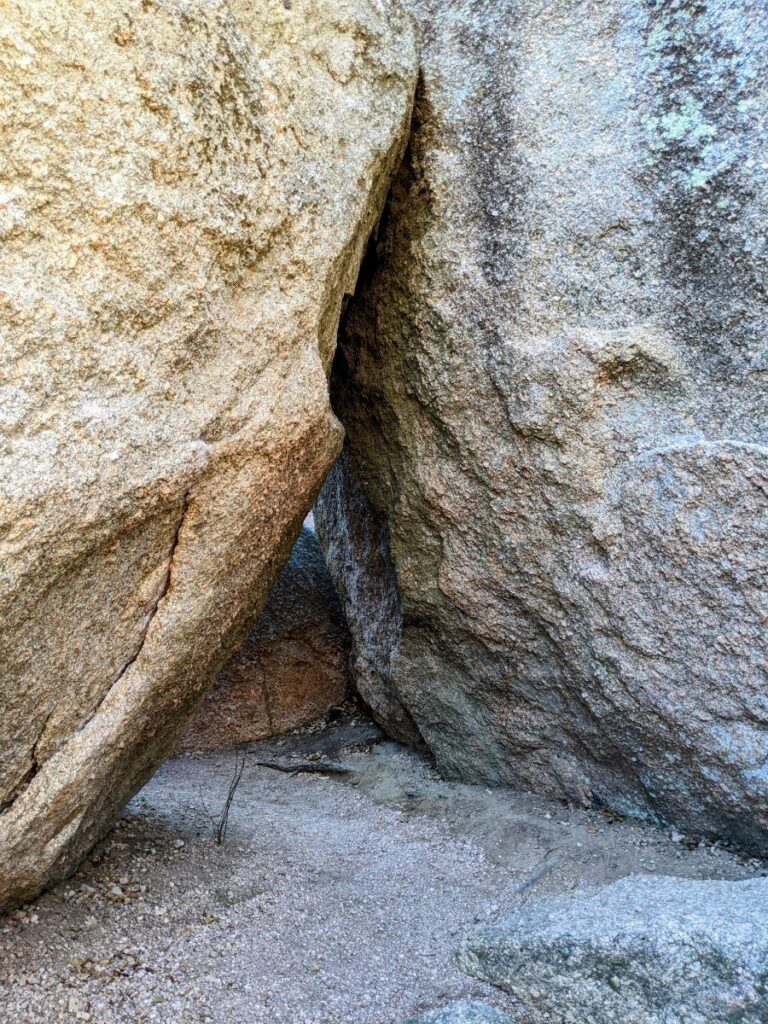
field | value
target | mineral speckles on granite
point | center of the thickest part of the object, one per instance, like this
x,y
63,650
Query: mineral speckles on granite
x,y
642,951
464,1012
188,189
551,381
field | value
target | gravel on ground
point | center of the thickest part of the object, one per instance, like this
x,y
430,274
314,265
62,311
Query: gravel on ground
x,y
335,898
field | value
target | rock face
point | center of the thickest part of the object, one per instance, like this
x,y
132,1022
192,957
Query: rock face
x,y
465,1012
186,189
293,667
642,951
553,381
355,539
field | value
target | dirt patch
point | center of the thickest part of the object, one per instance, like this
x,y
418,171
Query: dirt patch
x,y
335,900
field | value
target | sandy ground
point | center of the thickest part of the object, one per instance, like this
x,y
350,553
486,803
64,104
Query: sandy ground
x,y
333,900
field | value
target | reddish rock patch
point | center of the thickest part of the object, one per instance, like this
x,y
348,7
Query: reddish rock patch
x,y
293,667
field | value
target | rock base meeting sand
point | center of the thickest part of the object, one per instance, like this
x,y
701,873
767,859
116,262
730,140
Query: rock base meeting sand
x,y
337,899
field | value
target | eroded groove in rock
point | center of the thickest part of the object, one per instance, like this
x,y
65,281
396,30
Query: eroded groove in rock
x,y
553,392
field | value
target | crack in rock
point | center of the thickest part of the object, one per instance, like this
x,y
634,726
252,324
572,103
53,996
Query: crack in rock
x,y
155,605
150,616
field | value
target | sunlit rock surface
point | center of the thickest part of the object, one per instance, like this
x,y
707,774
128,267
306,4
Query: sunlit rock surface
x,y
186,189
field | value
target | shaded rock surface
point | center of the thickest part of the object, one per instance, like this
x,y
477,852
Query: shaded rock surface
x,y
465,1012
553,381
642,951
186,189
356,544
293,667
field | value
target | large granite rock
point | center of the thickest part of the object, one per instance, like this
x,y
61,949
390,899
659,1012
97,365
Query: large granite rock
x,y
641,951
186,188
553,378
293,667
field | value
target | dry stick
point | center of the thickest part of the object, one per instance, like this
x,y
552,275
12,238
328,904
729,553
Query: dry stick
x,y
537,876
294,767
209,816
221,828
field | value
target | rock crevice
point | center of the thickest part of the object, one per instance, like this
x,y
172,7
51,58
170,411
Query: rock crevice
x,y
164,588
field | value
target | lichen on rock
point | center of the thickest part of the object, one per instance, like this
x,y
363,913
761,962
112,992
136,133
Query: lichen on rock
x,y
552,381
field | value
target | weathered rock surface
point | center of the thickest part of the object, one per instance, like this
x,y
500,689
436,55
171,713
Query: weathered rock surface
x,y
356,544
641,951
553,381
465,1012
185,192
293,667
